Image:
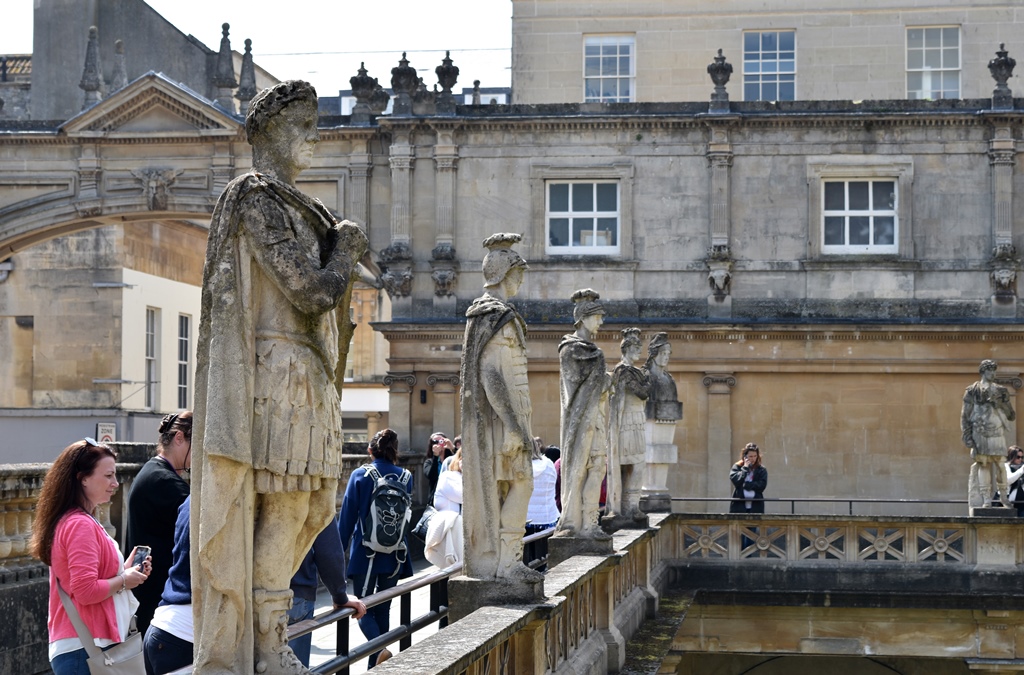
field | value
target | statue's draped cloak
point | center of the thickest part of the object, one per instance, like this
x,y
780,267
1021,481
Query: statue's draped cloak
x,y
987,415
485,318
225,399
583,383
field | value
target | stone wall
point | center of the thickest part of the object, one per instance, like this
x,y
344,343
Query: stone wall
x,y
844,50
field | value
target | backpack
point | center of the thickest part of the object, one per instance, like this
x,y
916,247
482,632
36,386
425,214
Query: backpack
x,y
390,516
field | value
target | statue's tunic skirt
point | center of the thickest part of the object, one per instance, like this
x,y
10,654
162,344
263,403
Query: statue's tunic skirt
x,y
632,442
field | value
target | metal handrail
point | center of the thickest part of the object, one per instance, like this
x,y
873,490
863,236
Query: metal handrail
x,y
850,501
438,612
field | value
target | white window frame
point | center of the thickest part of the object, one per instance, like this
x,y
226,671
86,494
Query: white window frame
x,y
928,72
151,351
899,169
541,174
873,212
184,386
776,67
571,215
590,74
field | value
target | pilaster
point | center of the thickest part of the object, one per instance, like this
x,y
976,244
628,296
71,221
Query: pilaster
x,y
400,387
1001,156
719,444
444,387
360,169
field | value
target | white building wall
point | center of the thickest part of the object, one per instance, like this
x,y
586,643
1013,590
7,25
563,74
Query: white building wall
x,y
171,299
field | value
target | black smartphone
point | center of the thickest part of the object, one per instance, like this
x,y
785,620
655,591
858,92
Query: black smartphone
x,y
140,556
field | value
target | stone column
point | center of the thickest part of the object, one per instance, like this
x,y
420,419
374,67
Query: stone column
x,y
360,167
372,423
719,155
223,166
1005,262
88,203
444,387
397,257
444,266
400,387
720,450
401,159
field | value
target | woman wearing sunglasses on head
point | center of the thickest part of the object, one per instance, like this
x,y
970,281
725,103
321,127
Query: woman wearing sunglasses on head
x,y
84,561
153,501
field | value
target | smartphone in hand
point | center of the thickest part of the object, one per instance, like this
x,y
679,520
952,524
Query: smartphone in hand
x,y
141,552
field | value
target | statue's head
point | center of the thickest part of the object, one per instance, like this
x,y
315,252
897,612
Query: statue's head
x,y
500,258
659,349
585,303
270,102
988,365
631,344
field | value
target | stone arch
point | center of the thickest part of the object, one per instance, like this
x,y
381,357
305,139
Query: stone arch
x,y
35,221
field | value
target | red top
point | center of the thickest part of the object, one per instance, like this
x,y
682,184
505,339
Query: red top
x,y
83,558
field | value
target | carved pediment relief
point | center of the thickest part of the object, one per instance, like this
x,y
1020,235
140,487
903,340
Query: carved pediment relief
x,y
153,106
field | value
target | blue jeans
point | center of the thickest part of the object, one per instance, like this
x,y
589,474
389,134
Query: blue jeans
x,y
165,653
71,663
301,610
377,620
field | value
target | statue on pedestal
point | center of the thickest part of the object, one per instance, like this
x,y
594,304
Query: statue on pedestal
x,y
626,422
584,433
496,418
267,436
984,420
663,411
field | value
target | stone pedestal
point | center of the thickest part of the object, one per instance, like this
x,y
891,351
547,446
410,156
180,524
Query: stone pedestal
x,y
660,455
993,512
611,524
466,595
562,548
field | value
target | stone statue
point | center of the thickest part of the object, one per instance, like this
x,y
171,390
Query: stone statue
x,y
626,422
984,420
584,433
663,411
496,414
267,440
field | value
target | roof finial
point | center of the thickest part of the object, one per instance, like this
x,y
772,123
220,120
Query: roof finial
x,y
92,74
247,80
224,76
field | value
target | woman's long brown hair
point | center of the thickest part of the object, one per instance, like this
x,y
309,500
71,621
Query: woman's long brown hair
x,y
747,448
62,491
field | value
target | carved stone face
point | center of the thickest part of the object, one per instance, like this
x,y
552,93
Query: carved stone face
x,y
513,280
592,322
661,358
631,354
293,135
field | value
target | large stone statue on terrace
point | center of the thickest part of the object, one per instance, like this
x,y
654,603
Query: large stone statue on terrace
x,y
497,472
584,391
985,420
663,410
627,445
267,438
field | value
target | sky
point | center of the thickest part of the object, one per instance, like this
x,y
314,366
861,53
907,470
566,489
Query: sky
x,y
324,41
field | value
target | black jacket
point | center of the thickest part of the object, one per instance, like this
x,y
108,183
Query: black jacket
x,y
738,476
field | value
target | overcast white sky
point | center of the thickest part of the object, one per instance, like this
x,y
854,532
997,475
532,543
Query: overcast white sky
x,y
323,41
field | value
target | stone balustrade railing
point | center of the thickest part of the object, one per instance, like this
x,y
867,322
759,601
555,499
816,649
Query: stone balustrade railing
x,y
848,539
595,605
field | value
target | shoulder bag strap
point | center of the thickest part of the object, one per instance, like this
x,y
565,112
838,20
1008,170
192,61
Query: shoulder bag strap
x,y
83,633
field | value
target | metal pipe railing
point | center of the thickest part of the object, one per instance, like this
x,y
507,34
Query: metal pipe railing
x,y
850,501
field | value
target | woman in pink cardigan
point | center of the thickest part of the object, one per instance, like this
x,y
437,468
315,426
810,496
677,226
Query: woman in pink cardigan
x,y
82,557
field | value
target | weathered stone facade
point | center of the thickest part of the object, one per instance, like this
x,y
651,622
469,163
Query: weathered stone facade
x,y
843,49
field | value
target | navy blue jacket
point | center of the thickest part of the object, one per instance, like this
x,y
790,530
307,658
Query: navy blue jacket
x,y
178,587
327,557
354,508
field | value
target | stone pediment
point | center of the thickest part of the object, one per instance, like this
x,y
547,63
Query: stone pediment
x,y
153,106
